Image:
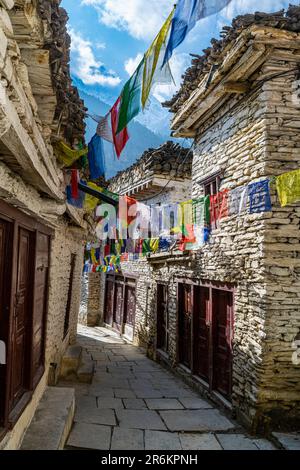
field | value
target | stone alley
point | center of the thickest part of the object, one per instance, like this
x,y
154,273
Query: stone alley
x,y
134,404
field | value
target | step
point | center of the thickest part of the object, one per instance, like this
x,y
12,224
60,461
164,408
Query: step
x,y
85,372
71,361
287,441
52,421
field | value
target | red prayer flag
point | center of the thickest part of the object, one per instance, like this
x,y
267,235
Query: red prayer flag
x,y
121,138
74,184
219,206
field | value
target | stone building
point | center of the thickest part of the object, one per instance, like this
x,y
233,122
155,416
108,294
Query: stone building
x,y
41,236
226,316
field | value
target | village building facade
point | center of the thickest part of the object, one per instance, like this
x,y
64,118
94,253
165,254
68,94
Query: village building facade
x,y
227,316
41,236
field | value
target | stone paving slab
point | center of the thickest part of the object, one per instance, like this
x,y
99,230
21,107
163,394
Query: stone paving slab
x,y
94,415
159,440
149,393
140,419
195,403
110,403
196,420
134,404
163,404
124,393
236,442
90,436
127,439
99,391
289,441
199,442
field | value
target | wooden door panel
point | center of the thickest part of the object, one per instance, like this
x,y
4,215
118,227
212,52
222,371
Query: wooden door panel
x,y
162,317
185,324
109,302
118,310
222,336
202,323
130,303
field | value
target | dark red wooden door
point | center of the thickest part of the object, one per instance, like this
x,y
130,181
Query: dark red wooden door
x,y
129,311
40,304
6,231
118,310
109,301
185,324
22,316
202,323
162,317
222,314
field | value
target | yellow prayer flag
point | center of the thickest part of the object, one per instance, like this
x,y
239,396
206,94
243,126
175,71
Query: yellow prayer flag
x,y
91,202
153,60
66,155
288,187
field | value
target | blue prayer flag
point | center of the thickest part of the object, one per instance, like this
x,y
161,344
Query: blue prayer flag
x,y
187,13
259,195
96,157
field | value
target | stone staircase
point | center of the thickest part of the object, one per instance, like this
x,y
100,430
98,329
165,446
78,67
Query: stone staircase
x,y
52,422
77,365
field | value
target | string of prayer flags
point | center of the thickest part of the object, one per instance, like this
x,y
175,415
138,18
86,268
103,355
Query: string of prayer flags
x,y
120,139
96,157
104,129
288,187
66,155
153,72
187,13
259,196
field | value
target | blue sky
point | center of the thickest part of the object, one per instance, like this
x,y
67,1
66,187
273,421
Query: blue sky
x,y
108,37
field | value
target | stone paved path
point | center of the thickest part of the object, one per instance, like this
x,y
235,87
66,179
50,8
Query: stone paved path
x,y
135,404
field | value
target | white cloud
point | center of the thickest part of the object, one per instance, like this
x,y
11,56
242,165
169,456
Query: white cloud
x,y
85,65
132,63
142,19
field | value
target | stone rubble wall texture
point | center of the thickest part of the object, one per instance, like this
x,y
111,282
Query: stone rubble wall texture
x,y
39,105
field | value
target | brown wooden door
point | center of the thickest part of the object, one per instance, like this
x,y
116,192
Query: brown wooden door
x,y
70,290
185,324
40,304
118,310
222,314
6,230
109,301
21,317
162,318
202,324
129,307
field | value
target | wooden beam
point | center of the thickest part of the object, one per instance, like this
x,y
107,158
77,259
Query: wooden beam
x,y
235,87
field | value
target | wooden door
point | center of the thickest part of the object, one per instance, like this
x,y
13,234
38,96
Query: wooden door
x,y
130,305
118,310
22,316
6,230
202,325
70,290
162,318
222,314
185,324
109,301
40,305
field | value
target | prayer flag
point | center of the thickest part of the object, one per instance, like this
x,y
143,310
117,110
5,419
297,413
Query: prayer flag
x,y
96,157
288,187
187,13
130,105
74,184
104,129
238,198
120,138
219,206
153,72
66,155
259,195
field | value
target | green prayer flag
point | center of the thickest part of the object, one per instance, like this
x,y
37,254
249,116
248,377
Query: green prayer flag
x,y
131,98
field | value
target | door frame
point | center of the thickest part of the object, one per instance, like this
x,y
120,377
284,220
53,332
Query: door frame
x,y
19,220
